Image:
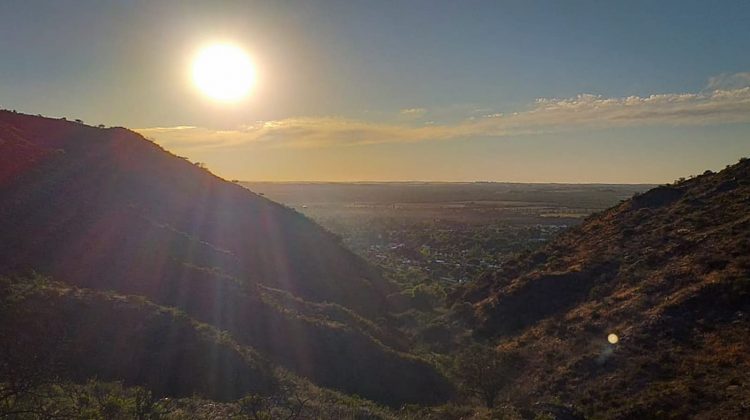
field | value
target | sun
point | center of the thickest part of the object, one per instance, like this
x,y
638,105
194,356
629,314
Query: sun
x,y
224,72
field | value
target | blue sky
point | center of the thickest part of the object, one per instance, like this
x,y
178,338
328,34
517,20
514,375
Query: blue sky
x,y
395,90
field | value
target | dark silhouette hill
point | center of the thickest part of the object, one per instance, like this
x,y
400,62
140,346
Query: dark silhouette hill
x,y
668,272
107,210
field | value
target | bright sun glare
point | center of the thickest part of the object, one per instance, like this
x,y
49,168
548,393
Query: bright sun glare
x,y
224,72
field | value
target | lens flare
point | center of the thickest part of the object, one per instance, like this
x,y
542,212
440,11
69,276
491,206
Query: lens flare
x,y
613,338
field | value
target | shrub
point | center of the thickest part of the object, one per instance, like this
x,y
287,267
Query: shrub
x,y
483,371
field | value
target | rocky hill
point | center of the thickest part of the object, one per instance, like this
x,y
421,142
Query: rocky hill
x,y
668,273
107,210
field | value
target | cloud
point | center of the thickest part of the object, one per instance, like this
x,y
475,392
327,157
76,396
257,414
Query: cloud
x,y
547,115
729,81
413,112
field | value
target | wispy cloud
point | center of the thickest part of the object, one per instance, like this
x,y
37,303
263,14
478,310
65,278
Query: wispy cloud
x,y
729,81
726,100
413,112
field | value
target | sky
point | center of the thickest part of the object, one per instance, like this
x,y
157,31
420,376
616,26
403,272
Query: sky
x,y
518,90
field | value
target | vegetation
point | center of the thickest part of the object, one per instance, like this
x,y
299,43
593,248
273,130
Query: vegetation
x,y
114,212
168,293
484,372
667,272
91,400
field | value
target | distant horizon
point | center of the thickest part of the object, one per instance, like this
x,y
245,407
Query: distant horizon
x,y
635,92
447,182
311,209
376,181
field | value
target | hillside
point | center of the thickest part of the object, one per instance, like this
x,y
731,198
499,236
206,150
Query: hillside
x,y
81,334
107,210
668,272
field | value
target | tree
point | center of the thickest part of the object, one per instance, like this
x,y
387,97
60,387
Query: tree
x,y
287,404
483,371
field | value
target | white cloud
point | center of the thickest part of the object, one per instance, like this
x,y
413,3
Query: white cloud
x,y
413,112
729,81
727,101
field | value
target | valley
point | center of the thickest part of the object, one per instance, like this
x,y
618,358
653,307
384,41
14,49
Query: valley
x,y
374,210
444,232
136,284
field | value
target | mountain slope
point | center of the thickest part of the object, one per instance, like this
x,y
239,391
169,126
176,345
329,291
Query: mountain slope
x,y
53,330
84,175
668,272
106,209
